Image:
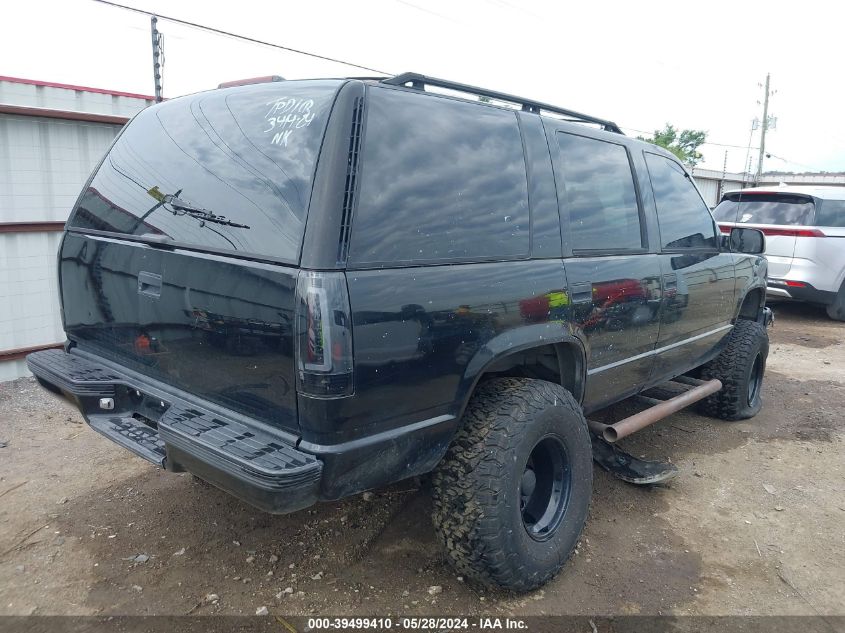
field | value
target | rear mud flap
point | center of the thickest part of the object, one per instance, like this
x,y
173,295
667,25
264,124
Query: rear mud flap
x,y
628,468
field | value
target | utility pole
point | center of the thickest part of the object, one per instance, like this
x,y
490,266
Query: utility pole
x,y
158,57
765,126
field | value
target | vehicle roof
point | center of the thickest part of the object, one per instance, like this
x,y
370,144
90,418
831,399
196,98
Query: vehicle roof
x,y
582,127
463,92
821,192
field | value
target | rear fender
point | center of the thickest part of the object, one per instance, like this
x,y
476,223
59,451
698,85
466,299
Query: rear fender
x,y
570,351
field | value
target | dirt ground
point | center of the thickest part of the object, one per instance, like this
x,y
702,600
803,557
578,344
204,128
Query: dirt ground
x,y
752,525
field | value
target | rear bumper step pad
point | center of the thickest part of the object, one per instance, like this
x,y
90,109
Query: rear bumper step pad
x,y
247,461
72,373
133,435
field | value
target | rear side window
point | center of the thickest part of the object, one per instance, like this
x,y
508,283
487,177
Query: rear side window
x,y
685,221
440,180
831,213
599,194
224,170
756,208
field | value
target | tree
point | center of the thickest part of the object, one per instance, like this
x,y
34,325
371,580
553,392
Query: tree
x,y
684,145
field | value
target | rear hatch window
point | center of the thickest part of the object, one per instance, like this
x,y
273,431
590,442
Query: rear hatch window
x,y
221,171
831,213
781,209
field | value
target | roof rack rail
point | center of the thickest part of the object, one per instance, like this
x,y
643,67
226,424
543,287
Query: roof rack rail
x,y
419,82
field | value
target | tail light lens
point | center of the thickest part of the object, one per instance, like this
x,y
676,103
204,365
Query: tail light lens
x,y
323,335
772,232
794,232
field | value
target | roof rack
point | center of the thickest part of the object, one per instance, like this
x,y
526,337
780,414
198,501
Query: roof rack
x,y
419,82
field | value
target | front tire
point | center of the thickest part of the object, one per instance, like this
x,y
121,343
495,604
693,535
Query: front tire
x,y
740,367
512,494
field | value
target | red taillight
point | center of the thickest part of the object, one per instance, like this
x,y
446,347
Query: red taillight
x,y
795,284
726,229
323,335
794,232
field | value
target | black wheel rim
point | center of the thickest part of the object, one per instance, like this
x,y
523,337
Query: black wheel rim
x,y
755,379
545,488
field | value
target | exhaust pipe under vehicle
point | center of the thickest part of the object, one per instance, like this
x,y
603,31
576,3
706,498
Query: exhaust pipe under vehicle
x,y
614,432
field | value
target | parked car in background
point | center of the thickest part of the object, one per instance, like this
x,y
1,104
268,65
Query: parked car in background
x,y
805,239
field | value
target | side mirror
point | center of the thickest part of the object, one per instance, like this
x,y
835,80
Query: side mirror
x,y
749,241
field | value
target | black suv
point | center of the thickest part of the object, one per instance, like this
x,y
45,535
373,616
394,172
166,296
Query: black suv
x,y
300,290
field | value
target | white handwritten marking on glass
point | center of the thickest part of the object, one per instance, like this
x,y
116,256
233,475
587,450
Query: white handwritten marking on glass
x,y
286,115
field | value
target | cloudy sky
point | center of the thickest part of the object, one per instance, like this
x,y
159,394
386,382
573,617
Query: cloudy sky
x,y
642,64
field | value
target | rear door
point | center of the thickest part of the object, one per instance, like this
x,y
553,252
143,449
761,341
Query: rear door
x,y
779,215
613,281
181,257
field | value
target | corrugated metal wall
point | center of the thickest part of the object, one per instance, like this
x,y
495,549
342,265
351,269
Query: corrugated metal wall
x,y
55,97
709,190
44,162
43,165
29,295
708,181
712,183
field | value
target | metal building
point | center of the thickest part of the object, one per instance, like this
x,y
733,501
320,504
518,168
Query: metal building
x,y
51,137
712,183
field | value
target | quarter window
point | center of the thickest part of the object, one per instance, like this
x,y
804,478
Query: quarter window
x,y
832,213
441,180
598,193
685,221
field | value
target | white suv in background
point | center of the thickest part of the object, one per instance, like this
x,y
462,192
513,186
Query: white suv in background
x,y
805,239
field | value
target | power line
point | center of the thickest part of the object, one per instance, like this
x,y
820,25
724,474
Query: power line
x,y
726,145
240,37
633,129
430,12
792,162
324,57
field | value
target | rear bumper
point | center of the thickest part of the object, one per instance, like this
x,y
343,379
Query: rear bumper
x,y
247,460
779,288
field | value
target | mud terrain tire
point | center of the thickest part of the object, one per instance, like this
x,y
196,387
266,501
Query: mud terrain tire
x,y
740,367
500,524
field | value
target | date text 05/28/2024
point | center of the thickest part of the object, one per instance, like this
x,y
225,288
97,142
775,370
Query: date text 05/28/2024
x,y
421,623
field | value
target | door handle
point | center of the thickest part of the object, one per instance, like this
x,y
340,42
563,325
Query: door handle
x,y
149,284
581,292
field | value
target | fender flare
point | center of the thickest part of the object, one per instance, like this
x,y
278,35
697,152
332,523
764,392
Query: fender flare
x,y
519,340
757,281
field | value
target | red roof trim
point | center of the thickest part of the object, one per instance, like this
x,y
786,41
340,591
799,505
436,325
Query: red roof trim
x,y
52,84
22,352
31,227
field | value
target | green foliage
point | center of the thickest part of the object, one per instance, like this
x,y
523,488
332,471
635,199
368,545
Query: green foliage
x,y
684,145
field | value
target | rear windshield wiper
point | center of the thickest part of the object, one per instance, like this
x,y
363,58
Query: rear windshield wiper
x,y
177,204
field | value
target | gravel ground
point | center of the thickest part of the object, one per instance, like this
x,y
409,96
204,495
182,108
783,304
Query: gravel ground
x,y
753,524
